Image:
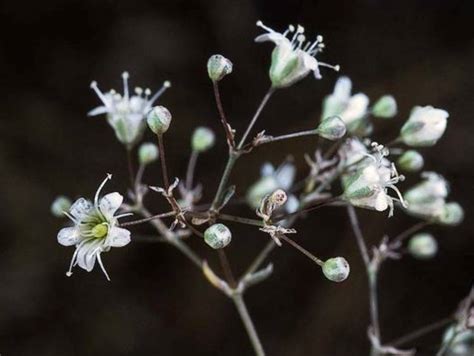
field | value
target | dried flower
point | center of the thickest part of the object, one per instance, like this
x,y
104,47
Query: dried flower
x,y
425,126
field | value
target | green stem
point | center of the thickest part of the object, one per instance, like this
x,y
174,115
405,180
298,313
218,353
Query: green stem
x,y
223,183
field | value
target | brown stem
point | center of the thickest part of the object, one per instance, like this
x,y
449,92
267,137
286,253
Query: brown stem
x,y
301,249
164,169
136,222
220,109
224,261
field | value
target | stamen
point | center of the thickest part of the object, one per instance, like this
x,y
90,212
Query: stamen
x,y
99,259
301,39
96,198
123,215
147,93
138,90
125,76
337,67
165,86
99,93
260,24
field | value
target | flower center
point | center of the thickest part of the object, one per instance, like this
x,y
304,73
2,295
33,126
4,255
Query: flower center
x,y
100,230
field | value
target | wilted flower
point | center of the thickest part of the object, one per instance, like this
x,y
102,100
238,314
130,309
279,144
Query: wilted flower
x,y
336,269
217,236
95,229
60,205
126,113
147,153
352,109
385,107
218,67
331,128
422,246
293,59
203,139
425,126
411,161
367,186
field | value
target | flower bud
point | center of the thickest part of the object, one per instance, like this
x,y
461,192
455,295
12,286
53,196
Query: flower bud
x,y
423,246
203,139
424,127
218,67
336,269
147,153
217,236
332,128
60,205
159,120
411,161
460,341
451,214
385,107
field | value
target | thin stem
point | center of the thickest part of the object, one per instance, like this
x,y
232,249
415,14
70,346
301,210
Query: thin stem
x,y
241,220
358,234
301,249
139,176
260,258
224,261
447,344
289,136
306,210
255,116
407,233
248,323
223,183
374,308
421,332
164,169
130,167
191,168
220,109
141,221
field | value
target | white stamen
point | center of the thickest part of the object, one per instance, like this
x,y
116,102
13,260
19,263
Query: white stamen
x,y
260,24
138,90
336,67
99,93
96,198
125,76
165,86
99,259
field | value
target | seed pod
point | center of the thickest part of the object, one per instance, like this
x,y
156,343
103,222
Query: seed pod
x,y
217,236
159,120
336,269
218,67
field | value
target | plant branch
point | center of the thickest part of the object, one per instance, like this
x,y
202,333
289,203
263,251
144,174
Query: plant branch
x,y
191,168
421,332
269,139
358,234
260,258
164,169
130,167
220,109
153,217
407,233
301,249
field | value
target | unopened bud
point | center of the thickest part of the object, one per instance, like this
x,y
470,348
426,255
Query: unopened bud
x,y
332,128
336,269
147,153
451,214
411,161
423,246
159,120
203,139
385,107
218,67
60,205
217,236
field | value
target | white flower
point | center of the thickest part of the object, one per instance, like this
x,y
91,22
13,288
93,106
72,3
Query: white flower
x,y
95,229
126,113
292,59
352,109
425,126
368,186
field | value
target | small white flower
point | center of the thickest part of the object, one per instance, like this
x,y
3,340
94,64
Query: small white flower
x,y
425,126
352,109
292,59
368,186
95,229
126,113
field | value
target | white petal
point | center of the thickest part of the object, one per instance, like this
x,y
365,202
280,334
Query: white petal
x,y
309,61
381,202
110,203
81,208
285,175
342,89
69,236
98,111
267,169
87,254
118,237
276,38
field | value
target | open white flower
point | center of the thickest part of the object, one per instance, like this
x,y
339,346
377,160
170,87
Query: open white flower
x,y
126,113
293,59
367,187
95,229
425,126
352,109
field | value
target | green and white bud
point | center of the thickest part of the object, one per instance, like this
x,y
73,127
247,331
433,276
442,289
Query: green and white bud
x,y
218,67
423,246
336,269
451,214
411,161
147,153
461,341
332,128
385,107
217,236
60,205
159,120
424,127
203,139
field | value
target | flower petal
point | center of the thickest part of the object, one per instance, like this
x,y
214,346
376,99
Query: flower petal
x,y
285,175
81,208
267,169
87,254
275,37
342,89
69,236
110,203
98,111
117,237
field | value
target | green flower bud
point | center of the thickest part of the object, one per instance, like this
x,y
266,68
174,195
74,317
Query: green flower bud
x,y
451,214
336,269
159,120
218,67
217,236
423,246
332,128
203,139
147,153
385,107
424,127
411,161
60,205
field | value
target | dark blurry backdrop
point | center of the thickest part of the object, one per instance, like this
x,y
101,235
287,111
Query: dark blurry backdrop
x,y
158,304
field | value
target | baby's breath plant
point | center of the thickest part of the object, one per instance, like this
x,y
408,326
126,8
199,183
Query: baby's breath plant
x,y
355,172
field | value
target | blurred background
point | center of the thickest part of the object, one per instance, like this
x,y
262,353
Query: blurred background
x,y
158,303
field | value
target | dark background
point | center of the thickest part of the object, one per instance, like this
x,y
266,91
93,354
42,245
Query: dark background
x,y
158,303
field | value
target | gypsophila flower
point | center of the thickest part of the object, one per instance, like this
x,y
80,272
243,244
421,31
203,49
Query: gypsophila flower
x,y
126,113
367,187
95,229
352,109
425,126
293,59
